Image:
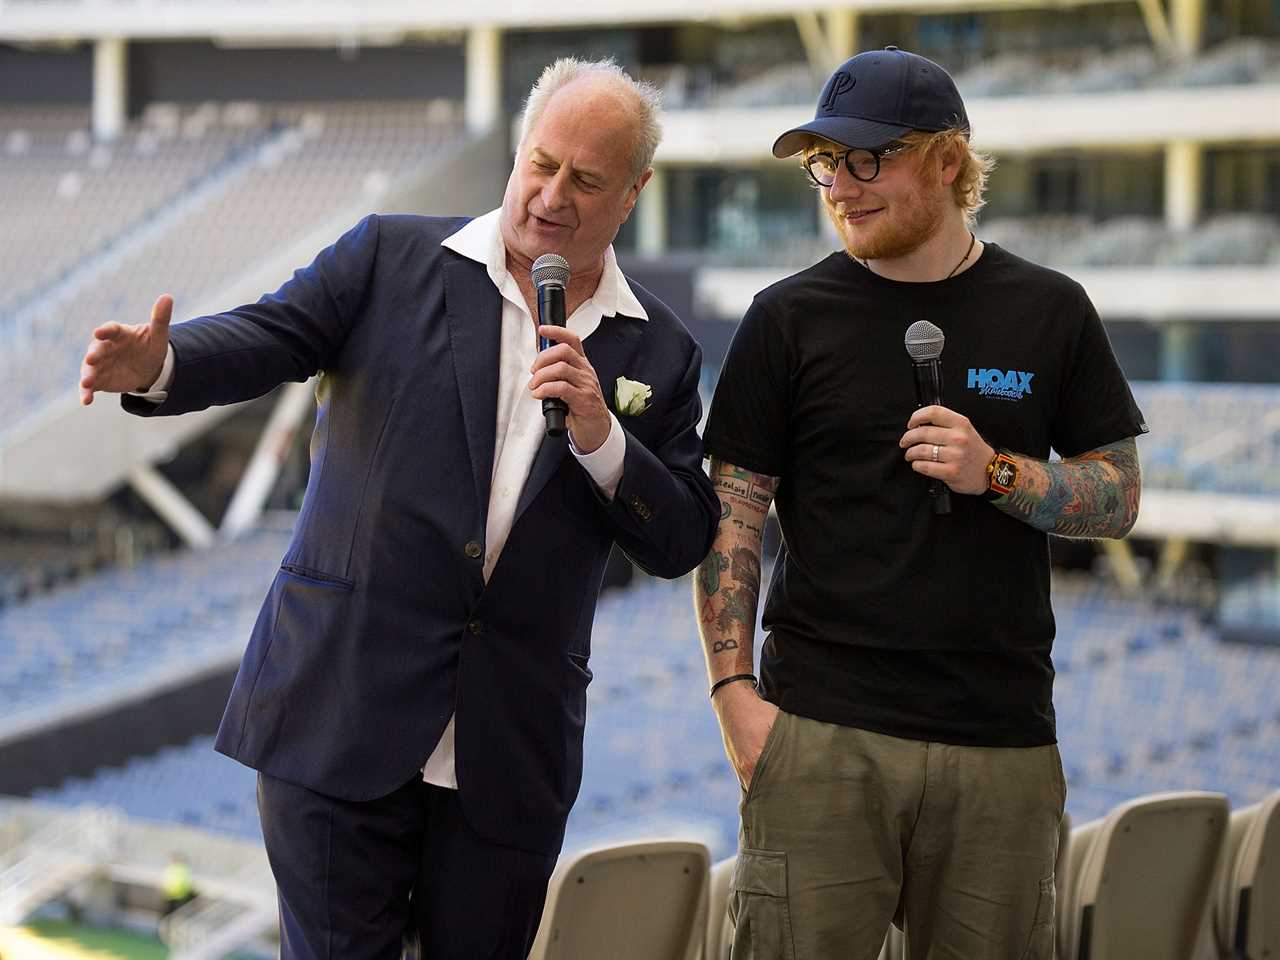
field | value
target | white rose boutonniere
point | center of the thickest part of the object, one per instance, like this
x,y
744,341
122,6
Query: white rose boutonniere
x,y
631,397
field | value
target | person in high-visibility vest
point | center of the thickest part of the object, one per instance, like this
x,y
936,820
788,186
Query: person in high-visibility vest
x,y
176,883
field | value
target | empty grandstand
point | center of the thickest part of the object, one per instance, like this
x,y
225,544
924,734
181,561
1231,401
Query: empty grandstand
x,y
216,188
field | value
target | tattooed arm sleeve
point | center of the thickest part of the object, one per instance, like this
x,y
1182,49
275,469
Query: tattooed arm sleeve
x,y
1093,495
726,590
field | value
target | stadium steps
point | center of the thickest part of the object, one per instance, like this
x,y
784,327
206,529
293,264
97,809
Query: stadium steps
x,y
54,859
210,929
50,850
56,450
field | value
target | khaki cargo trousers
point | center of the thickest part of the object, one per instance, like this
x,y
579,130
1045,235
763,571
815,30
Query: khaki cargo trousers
x,y
845,831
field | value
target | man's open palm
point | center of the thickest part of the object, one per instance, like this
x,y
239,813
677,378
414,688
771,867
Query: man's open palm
x,y
126,358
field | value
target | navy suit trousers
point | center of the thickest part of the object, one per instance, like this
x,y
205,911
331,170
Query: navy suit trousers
x,y
400,875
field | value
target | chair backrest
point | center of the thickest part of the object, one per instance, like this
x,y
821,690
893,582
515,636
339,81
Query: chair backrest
x,y
1138,881
634,901
719,929
895,945
1247,911
1060,862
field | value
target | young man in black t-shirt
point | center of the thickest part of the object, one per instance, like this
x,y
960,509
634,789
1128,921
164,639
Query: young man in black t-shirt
x,y
899,754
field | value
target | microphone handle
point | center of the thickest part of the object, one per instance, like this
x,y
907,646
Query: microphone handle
x,y
551,313
928,375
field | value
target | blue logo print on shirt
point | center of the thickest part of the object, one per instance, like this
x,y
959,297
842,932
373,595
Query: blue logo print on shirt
x,y
1006,384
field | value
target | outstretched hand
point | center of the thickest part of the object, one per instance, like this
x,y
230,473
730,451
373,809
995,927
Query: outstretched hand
x,y
124,358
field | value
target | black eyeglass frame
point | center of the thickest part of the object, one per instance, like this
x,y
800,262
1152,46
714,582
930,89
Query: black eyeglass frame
x,y
892,150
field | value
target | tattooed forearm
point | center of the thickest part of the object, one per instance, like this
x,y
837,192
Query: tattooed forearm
x,y
727,585
1093,495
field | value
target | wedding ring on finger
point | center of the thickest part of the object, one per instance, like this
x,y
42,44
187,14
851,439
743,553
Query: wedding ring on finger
x,y
935,452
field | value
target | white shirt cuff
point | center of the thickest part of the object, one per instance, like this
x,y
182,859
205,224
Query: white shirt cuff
x,y
605,463
159,391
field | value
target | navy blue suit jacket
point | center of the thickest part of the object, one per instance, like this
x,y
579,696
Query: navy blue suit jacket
x,y
379,624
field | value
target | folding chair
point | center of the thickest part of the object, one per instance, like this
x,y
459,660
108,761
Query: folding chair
x,y
719,929
1060,862
634,901
895,945
1247,914
1138,881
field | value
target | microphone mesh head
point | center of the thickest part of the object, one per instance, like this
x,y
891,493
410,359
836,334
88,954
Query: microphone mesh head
x,y
550,268
924,341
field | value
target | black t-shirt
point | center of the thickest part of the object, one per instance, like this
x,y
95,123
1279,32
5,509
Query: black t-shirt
x,y
881,614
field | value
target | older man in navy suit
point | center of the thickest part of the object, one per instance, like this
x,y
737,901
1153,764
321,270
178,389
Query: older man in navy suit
x,y
414,692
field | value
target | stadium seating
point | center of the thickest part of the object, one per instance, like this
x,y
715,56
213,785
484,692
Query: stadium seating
x,y
719,929
1055,240
105,635
31,568
1198,440
67,197
638,901
1244,239
1132,241
270,174
1012,72
1247,901
654,761
1138,881
189,784
62,547
1241,60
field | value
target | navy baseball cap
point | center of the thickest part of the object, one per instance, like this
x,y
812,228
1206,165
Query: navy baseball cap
x,y
876,97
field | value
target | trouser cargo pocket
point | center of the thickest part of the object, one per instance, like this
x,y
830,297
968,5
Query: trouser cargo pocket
x,y
758,907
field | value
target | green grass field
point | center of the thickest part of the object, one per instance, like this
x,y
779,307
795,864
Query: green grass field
x,y
72,939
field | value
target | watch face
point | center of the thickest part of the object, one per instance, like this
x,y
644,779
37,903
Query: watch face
x,y
1004,474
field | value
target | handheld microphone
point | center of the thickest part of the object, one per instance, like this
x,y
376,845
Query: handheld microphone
x,y
550,277
924,343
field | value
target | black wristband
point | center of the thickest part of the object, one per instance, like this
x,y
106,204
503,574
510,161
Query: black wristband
x,y
737,676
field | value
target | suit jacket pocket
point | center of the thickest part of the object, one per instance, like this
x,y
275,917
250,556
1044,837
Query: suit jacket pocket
x,y
317,576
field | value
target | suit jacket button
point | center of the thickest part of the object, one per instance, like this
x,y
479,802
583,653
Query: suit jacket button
x,y
475,626
473,549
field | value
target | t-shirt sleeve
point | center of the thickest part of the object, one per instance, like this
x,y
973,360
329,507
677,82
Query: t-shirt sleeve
x,y
750,410
1096,406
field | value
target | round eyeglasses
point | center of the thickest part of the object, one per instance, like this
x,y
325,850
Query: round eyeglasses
x,y
863,164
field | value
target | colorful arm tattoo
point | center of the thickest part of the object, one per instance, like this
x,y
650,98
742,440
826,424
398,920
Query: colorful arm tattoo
x,y
726,590
1093,495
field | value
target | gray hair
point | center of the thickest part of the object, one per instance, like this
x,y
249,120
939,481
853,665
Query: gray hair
x,y
645,97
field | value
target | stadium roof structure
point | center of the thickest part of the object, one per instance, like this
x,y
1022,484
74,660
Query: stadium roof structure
x,y
86,19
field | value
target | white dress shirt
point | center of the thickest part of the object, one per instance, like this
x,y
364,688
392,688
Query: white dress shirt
x,y
520,425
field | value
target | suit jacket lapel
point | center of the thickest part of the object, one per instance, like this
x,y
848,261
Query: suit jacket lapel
x,y
609,349
474,309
